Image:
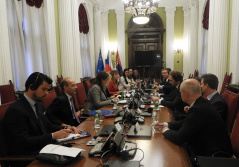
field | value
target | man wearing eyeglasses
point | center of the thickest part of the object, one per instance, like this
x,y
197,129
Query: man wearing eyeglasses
x,y
165,87
63,111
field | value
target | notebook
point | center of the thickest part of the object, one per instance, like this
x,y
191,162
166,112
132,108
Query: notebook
x,y
143,131
107,129
104,112
74,137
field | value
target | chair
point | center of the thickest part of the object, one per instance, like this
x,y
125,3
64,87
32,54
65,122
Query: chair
x,y
58,89
232,106
235,137
81,95
49,98
5,160
226,81
87,85
7,93
59,79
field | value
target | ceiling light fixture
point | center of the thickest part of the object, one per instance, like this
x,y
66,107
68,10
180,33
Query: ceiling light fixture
x,y
140,9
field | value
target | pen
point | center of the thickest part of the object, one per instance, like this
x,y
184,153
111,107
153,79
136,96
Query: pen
x,y
159,125
71,143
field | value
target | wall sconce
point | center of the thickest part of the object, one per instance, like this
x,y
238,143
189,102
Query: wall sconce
x,y
178,45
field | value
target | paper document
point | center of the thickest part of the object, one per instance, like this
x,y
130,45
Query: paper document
x,y
122,101
61,150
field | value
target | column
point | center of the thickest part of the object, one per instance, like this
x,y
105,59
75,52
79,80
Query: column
x,y
170,11
234,50
5,55
51,39
120,14
217,39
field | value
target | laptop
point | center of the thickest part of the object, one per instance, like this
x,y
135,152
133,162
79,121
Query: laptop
x,y
107,129
143,131
120,163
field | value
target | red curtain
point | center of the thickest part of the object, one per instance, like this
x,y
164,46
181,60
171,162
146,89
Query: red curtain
x,y
36,3
83,21
205,20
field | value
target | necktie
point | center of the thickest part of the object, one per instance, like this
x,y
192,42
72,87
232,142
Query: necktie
x,y
39,119
74,110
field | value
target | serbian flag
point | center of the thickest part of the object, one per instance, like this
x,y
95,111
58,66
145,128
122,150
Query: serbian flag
x,y
100,65
118,63
108,66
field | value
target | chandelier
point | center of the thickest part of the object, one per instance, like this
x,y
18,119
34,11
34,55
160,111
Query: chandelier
x,y
140,9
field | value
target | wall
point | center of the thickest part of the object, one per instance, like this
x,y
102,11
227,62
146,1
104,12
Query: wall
x,y
178,36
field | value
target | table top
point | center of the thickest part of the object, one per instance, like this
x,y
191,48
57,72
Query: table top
x,y
158,151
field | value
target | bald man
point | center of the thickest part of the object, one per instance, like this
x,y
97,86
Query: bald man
x,y
203,128
63,111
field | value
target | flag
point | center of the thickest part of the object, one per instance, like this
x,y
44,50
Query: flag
x,y
118,63
108,66
100,65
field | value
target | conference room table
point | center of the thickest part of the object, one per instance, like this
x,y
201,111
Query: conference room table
x,y
158,151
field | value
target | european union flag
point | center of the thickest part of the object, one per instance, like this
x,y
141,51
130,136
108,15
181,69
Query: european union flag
x,y
100,65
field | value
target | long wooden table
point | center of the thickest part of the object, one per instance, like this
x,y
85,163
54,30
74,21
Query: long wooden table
x,y
158,151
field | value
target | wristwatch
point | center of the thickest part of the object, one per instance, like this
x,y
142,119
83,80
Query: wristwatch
x,y
65,127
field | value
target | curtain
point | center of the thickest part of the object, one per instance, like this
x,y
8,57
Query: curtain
x,y
84,43
27,41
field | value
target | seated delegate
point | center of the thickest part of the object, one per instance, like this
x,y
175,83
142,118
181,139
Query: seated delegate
x,y
203,128
97,96
113,85
124,80
63,110
26,128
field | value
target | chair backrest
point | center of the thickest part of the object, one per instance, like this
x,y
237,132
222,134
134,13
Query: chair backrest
x,y
3,147
226,81
87,85
232,105
58,89
49,98
235,137
59,79
7,93
81,95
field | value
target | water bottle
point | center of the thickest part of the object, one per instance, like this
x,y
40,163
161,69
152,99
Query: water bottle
x,y
122,95
97,123
156,105
154,117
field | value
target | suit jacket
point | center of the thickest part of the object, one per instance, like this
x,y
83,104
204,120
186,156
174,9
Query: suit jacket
x,y
122,83
167,87
112,87
173,93
22,130
177,105
220,105
60,111
203,129
96,98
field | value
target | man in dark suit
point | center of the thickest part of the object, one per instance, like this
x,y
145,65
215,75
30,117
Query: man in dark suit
x,y
203,128
165,87
26,128
173,100
209,84
63,111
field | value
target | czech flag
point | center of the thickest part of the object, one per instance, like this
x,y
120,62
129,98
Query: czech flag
x,y
100,65
118,63
108,66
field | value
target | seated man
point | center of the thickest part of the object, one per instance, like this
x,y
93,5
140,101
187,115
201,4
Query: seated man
x,y
165,86
209,84
203,128
26,128
63,110
173,100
